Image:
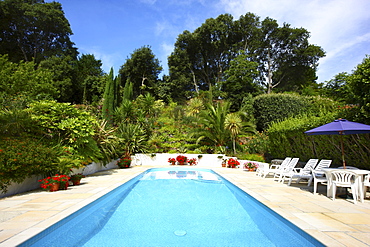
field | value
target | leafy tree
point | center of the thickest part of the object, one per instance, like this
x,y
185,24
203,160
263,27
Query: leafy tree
x,y
240,80
284,56
337,88
23,78
142,70
91,77
200,58
32,30
282,50
183,76
64,73
359,84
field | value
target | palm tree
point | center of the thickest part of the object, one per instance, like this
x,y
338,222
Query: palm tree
x,y
212,121
234,124
194,107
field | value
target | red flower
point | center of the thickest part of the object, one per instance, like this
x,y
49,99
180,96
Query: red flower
x,y
172,161
181,158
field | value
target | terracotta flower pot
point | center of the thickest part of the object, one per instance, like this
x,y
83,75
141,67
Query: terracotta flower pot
x,y
76,182
54,187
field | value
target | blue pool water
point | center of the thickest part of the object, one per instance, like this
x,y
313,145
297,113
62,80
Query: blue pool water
x,y
174,207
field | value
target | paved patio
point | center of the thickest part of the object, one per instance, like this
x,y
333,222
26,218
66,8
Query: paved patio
x,y
334,223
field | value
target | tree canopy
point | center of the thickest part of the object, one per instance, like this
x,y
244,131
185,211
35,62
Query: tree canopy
x,y
284,57
142,70
32,30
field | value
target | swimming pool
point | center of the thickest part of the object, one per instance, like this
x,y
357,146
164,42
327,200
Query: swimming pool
x,y
174,207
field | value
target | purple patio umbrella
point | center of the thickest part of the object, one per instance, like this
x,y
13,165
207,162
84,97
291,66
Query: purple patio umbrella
x,y
340,127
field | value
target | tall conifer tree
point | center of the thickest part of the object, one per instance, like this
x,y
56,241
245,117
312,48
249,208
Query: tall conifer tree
x,y
109,98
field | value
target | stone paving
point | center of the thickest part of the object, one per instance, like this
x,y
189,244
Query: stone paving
x,y
334,223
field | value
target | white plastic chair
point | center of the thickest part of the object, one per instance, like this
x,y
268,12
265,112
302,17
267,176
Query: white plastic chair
x,y
366,184
262,169
345,179
322,165
301,173
318,177
279,175
275,168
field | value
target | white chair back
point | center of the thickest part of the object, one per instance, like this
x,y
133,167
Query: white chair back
x,y
285,162
323,164
344,177
293,162
311,163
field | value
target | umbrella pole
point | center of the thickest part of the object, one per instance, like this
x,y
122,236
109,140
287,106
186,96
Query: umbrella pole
x,y
342,146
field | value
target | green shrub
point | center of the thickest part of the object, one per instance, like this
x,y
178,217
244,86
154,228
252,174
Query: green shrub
x,y
256,144
274,107
253,157
24,157
64,124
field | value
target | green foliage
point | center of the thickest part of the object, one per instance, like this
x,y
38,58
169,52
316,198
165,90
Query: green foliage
x,y
337,88
242,55
252,157
109,98
23,157
256,144
213,125
275,107
132,139
64,73
91,77
240,80
34,30
23,78
359,84
64,124
14,120
107,141
142,70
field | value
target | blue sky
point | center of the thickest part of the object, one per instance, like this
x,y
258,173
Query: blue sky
x,y
113,29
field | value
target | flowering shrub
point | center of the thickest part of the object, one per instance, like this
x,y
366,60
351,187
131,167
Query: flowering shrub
x,y
124,162
181,159
62,180
172,161
24,157
232,163
250,166
192,161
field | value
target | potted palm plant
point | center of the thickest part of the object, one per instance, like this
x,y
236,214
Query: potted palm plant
x,y
132,140
76,178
